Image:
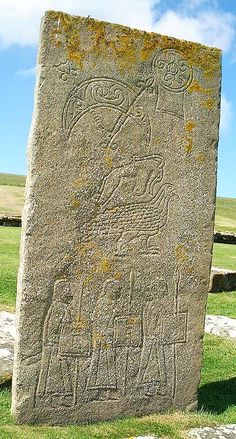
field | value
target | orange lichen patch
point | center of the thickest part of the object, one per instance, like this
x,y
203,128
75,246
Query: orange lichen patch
x,y
75,203
190,269
189,126
209,104
128,46
132,320
181,253
80,323
196,54
97,338
188,144
105,346
108,158
201,157
117,275
80,182
85,247
105,265
149,46
98,33
197,88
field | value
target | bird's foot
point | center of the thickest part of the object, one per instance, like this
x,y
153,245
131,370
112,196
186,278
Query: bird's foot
x,y
153,250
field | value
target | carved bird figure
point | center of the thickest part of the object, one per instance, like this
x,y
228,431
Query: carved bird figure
x,y
133,205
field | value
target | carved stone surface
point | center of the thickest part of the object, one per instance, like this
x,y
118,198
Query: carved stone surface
x,y
113,278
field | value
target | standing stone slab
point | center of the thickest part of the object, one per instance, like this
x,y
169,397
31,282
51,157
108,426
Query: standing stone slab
x,y
113,278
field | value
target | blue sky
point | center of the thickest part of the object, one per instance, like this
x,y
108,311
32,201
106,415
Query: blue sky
x,y
212,22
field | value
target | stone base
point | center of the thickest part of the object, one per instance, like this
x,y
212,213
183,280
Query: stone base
x,y
222,280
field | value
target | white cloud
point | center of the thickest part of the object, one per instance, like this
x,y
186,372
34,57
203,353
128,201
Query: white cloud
x,y
210,28
226,114
198,21
27,72
19,19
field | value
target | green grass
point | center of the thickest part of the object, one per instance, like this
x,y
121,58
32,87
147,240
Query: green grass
x,y
224,256
9,261
225,214
223,304
12,180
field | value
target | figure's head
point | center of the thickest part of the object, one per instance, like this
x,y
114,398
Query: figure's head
x,y
156,289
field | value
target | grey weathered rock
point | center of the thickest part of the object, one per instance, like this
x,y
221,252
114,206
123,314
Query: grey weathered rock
x,y
222,432
222,279
221,325
7,338
113,278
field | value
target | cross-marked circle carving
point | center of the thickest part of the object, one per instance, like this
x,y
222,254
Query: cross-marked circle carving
x,y
172,70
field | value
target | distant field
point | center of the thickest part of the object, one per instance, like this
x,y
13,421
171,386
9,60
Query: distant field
x,y
12,200
12,180
225,214
11,194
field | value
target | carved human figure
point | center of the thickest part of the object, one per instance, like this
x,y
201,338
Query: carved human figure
x,y
152,375
102,375
54,376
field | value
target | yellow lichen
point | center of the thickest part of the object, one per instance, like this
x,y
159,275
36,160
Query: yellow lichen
x,y
80,182
75,203
201,157
80,323
197,88
105,265
181,253
190,125
132,321
108,158
117,275
188,143
128,46
209,104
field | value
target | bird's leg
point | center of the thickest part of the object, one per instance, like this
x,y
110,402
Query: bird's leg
x,y
143,244
151,244
122,244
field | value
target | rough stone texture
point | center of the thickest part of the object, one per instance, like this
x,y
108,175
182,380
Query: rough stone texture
x,y
222,432
7,338
220,325
113,278
222,279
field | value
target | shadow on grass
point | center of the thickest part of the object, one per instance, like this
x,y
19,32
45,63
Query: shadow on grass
x,y
218,396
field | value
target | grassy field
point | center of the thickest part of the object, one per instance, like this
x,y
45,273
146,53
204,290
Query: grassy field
x,y
224,255
12,180
225,214
9,261
11,200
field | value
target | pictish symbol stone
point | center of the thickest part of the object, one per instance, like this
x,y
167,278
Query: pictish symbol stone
x,y
113,277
